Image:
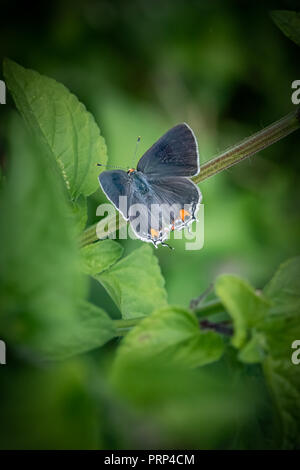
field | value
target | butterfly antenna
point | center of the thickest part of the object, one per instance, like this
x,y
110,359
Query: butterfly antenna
x,y
135,151
112,166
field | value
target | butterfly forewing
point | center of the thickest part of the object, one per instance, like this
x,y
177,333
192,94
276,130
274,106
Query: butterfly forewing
x,y
175,154
116,183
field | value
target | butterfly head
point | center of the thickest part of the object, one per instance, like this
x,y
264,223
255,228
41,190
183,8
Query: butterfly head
x,y
131,171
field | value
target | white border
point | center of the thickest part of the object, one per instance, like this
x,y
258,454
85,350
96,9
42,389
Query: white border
x,y
197,150
126,218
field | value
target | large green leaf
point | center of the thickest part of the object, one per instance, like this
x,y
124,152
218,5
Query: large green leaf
x,y
91,328
40,276
173,335
79,213
281,329
135,283
245,307
98,257
289,23
284,288
66,129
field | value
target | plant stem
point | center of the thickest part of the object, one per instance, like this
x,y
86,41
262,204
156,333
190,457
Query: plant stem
x,y
207,309
223,327
91,234
248,147
125,324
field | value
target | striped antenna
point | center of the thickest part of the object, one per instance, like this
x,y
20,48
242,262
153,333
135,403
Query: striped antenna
x,y
113,166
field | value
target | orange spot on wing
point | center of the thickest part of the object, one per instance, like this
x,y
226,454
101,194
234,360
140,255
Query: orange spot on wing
x,y
183,214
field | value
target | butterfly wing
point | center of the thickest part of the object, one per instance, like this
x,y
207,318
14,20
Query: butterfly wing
x,y
175,153
179,194
116,183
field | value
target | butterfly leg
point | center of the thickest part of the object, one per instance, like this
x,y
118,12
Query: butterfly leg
x,y
166,244
154,242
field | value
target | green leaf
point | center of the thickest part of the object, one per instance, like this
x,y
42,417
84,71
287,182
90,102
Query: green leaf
x,y
255,350
281,329
289,23
40,276
91,328
66,129
99,256
284,288
136,284
245,307
79,213
173,335
186,408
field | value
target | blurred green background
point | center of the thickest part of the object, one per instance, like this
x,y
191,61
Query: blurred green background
x,y
141,67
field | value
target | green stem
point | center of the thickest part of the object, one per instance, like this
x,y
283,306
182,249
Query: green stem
x,y
248,147
207,309
91,234
125,324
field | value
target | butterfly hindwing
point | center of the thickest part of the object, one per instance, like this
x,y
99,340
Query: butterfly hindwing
x,y
175,153
171,203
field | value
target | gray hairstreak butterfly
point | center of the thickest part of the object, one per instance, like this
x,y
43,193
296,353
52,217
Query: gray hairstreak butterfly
x,y
158,196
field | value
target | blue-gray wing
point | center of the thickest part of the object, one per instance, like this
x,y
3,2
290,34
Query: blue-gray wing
x,y
116,183
174,154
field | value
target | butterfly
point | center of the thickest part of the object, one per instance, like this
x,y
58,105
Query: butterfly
x,y
158,197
